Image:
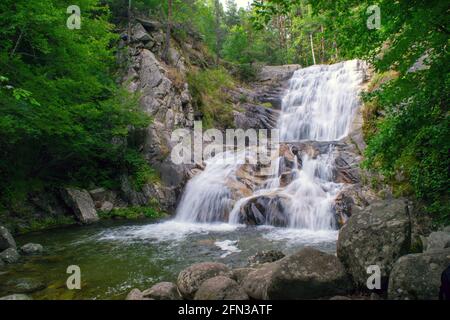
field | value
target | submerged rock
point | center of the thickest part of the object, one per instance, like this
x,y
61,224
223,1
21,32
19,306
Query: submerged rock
x,y
10,255
16,297
266,257
377,235
81,203
27,285
418,276
191,278
220,288
32,248
308,274
163,291
6,239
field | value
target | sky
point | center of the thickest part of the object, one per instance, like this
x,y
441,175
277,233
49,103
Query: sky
x,y
240,3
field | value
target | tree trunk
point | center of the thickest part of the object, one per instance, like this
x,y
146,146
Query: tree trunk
x,y
168,31
312,48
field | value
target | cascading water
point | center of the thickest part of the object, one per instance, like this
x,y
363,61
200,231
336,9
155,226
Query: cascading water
x,y
319,105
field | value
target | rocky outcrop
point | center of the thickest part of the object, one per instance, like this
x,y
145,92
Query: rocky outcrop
x,y
190,279
6,239
31,248
377,235
81,203
308,274
220,288
162,291
418,276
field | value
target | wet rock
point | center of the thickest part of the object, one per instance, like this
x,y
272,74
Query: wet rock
x,y
266,257
376,235
16,297
31,248
10,255
6,239
81,203
265,210
191,278
2,264
340,298
438,240
220,288
418,276
162,291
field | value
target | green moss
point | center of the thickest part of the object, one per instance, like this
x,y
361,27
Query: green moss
x,y
151,211
33,225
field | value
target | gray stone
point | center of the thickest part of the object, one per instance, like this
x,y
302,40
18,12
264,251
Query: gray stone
x,y
139,34
240,274
265,210
308,274
220,288
32,248
10,255
135,294
16,297
6,239
162,291
340,298
191,278
418,276
377,235
81,203
106,206
27,285
438,240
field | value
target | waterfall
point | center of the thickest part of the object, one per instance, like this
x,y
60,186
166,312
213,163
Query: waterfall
x,y
319,105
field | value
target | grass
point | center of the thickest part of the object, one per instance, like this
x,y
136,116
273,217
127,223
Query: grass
x,y
131,213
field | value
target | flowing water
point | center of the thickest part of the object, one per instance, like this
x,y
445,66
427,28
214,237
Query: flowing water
x,y
115,257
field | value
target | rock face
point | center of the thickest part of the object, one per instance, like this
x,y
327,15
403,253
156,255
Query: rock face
x,y
81,203
418,276
32,248
162,291
10,255
220,288
190,279
377,235
308,274
6,239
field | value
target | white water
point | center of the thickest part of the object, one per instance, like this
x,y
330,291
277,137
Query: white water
x,y
319,105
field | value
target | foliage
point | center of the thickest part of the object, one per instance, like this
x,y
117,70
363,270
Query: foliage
x,y
62,117
150,212
210,98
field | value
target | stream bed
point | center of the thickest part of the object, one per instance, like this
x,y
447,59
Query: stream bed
x,y
117,256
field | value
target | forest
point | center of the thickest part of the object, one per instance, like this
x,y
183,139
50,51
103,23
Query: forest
x,y
63,115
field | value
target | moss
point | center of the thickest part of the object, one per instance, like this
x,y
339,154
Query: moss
x,y
32,225
151,211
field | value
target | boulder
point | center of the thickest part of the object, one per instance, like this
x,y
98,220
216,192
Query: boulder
x,y
162,291
81,203
6,239
240,274
418,276
377,235
32,248
16,297
191,278
220,288
265,210
10,255
266,257
438,240
135,294
139,34
106,206
308,274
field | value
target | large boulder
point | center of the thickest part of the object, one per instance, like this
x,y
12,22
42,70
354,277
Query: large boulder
x,y
377,235
220,288
6,239
265,210
162,291
32,248
438,240
266,257
308,274
81,203
191,278
10,255
418,276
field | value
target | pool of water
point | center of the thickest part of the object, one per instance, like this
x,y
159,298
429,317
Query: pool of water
x,y
115,257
